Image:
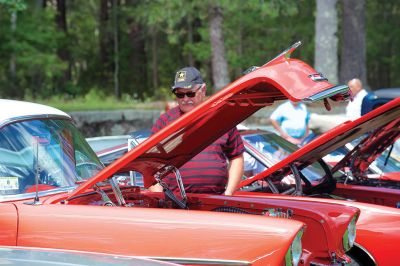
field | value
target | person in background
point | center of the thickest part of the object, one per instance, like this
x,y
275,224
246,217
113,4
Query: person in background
x,y
219,167
353,109
251,165
291,120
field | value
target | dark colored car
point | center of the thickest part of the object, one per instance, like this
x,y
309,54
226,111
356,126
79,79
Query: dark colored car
x,y
378,98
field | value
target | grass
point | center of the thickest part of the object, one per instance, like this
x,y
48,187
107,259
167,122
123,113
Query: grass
x,y
97,102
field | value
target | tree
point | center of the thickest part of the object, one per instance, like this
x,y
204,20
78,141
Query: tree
x,y
353,53
383,42
105,43
63,50
117,91
326,41
13,7
219,63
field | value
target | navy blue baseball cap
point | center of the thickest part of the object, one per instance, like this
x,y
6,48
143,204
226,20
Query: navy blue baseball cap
x,y
186,78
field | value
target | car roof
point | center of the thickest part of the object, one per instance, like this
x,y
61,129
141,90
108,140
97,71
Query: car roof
x,y
389,93
11,110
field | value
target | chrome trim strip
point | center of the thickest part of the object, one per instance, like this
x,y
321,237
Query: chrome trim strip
x,y
327,93
32,194
100,155
32,117
366,252
200,261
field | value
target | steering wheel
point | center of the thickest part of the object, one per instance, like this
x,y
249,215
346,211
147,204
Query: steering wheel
x,y
296,190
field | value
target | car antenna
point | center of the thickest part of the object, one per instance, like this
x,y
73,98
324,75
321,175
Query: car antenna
x,y
36,200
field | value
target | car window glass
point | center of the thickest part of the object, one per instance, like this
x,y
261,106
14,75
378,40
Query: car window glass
x,y
276,148
51,150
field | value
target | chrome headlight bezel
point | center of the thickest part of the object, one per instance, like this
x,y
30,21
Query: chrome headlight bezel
x,y
293,255
349,236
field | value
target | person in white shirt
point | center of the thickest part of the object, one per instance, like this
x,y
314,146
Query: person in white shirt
x,y
353,109
291,120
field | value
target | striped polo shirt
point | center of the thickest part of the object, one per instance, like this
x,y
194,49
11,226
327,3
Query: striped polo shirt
x,y
207,172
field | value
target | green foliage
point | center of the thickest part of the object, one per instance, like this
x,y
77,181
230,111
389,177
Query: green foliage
x,y
157,37
93,100
13,5
263,29
383,43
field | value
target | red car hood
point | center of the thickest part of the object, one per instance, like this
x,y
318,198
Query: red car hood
x,y
178,142
383,121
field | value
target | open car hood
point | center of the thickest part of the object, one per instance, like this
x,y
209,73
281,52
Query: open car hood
x,y
177,143
383,125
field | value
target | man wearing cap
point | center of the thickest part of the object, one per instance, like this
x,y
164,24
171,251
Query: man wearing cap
x,y
209,171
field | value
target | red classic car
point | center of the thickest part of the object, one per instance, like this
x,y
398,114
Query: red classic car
x,y
349,178
377,224
54,156
312,177
42,155
384,171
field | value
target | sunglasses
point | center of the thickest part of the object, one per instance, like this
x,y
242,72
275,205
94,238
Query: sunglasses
x,y
189,94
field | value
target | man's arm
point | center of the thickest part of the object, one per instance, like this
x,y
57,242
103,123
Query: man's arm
x,y
156,188
307,131
278,128
283,134
235,174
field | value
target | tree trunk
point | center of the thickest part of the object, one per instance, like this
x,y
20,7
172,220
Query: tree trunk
x,y
239,46
105,45
117,91
13,58
326,41
63,50
219,65
138,62
154,59
138,78
353,54
190,41
41,4
61,17
103,40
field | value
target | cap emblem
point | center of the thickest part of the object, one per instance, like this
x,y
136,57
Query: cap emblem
x,y
180,76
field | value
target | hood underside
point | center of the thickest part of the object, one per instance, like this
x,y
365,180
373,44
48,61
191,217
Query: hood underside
x,y
171,147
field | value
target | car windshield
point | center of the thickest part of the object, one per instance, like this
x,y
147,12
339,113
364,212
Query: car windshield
x,y
53,151
384,163
276,148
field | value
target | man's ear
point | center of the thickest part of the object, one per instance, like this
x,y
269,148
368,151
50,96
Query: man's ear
x,y
204,90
